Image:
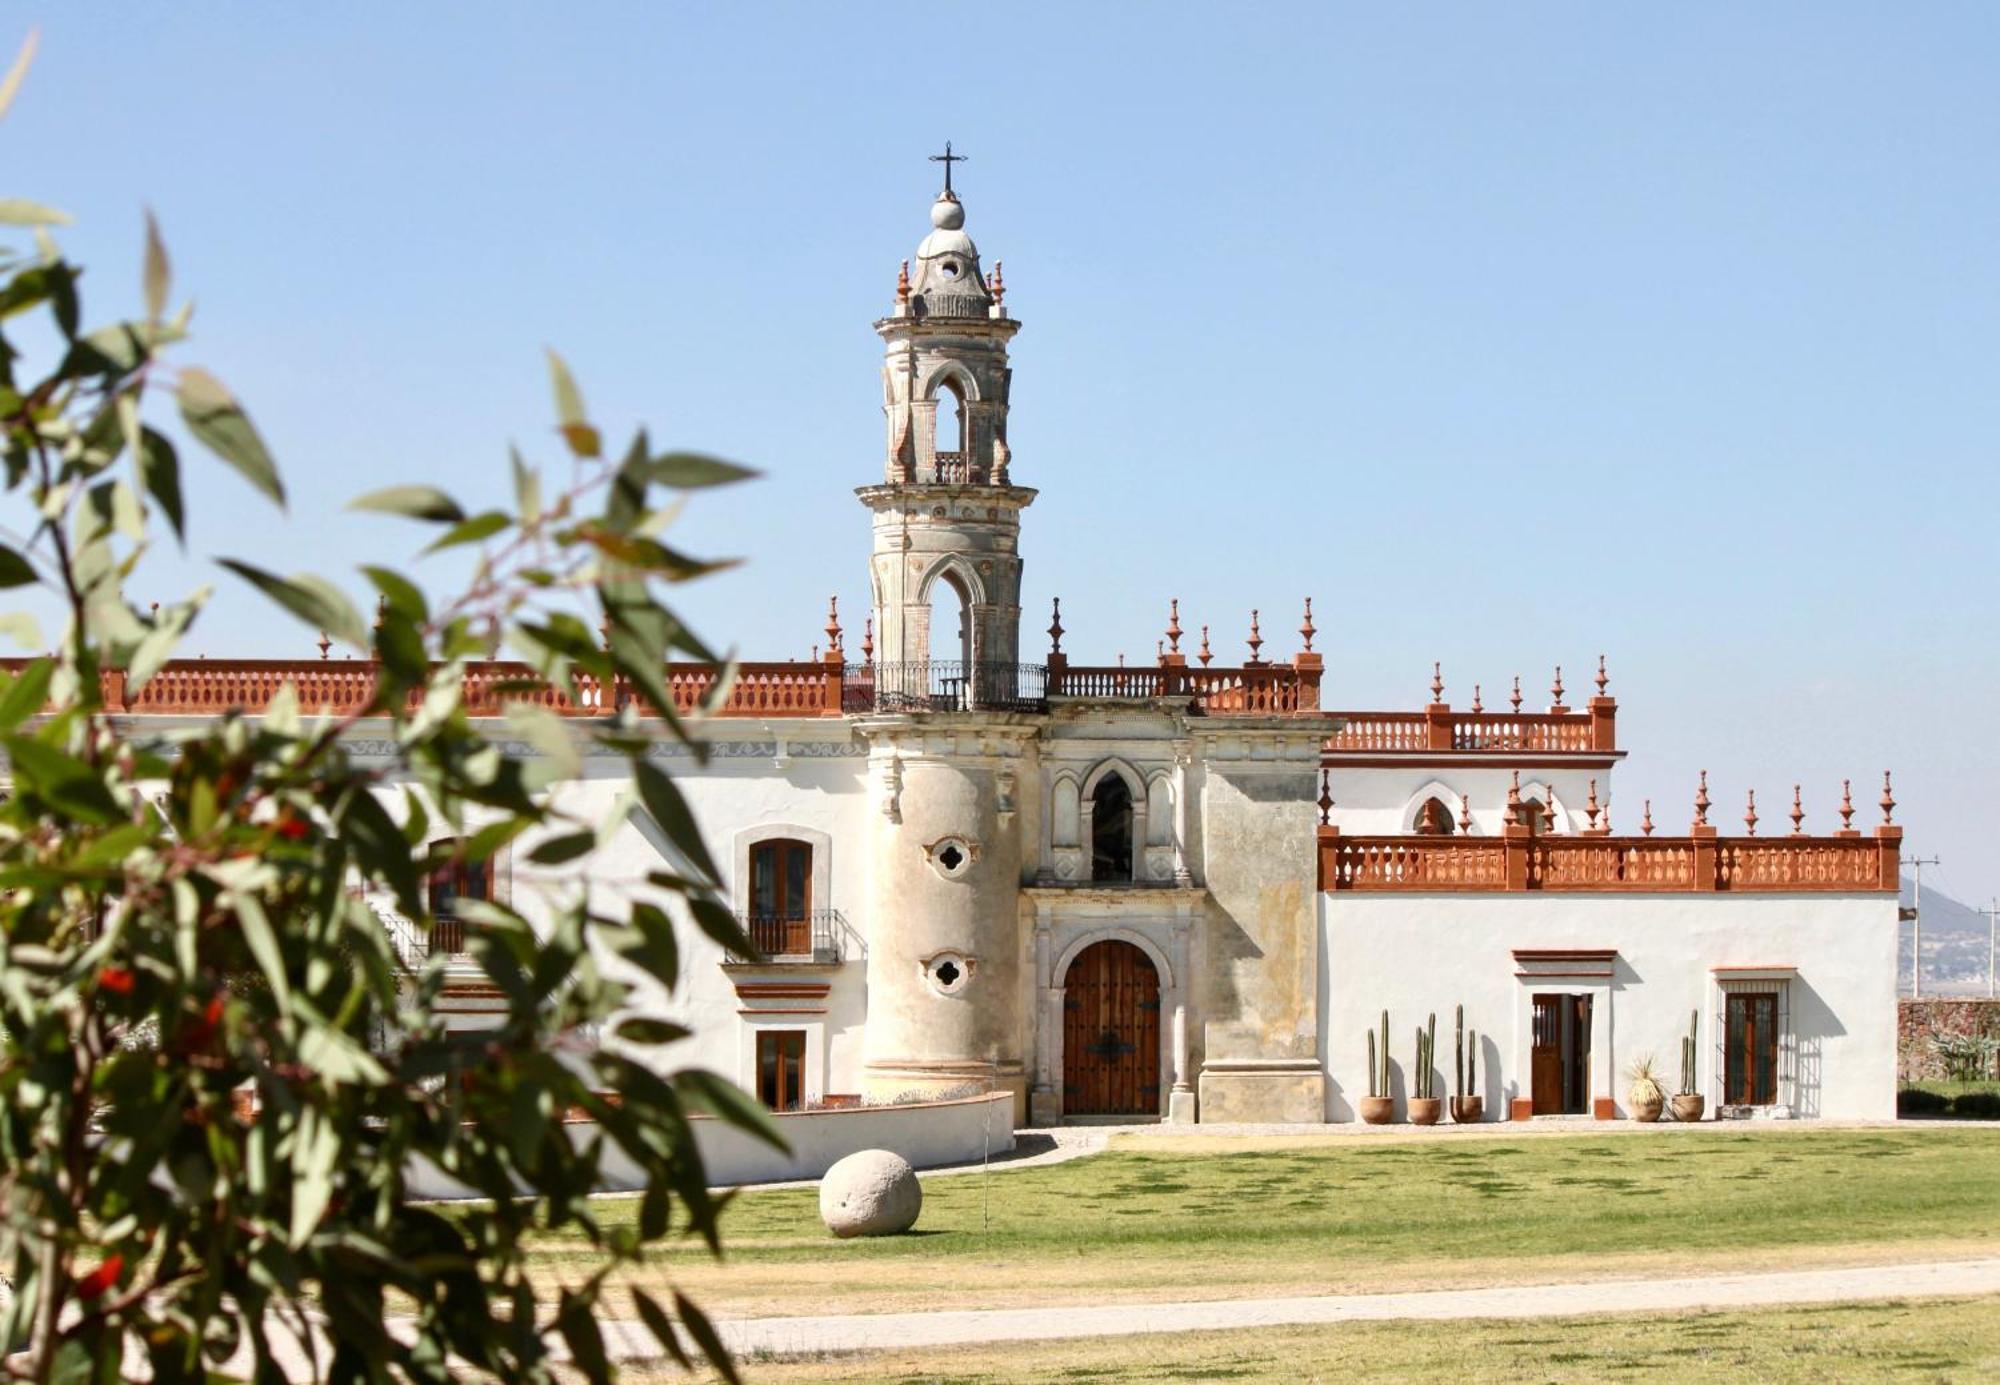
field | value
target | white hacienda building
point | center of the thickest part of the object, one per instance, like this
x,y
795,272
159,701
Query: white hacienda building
x,y
1184,891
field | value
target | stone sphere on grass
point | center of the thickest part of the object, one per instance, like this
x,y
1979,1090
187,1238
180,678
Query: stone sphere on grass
x,y
870,1193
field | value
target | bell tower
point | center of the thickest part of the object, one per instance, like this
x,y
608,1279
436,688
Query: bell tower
x,y
953,720
946,511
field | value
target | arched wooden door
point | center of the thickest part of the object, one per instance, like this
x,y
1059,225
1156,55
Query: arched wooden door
x,y
1111,1033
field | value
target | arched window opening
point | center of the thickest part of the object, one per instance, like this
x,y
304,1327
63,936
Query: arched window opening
x,y
953,425
450,886
780,916
951,637
1111,829
1434,819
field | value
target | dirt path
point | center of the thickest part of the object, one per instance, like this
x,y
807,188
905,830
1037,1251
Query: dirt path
x,y
882,1331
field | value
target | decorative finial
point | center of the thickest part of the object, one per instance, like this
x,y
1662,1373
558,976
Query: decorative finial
x,y
1798,813
1325,797
868,641
1888,801
381,610
1256,640
1549,814
1055,629
1750,814
1464,816
1557,687
1516,699
813,656
1437,681
832,625
1514,800
1204,656
1646,823
1590,807
1477,706
1307,628
948,159
1603,678
325,644
156,615
1121,658
1160,651
1174,624
997,285
1701,802
903,283
1846,807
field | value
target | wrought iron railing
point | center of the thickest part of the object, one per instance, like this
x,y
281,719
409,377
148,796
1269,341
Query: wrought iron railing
x,y
947,686
819,935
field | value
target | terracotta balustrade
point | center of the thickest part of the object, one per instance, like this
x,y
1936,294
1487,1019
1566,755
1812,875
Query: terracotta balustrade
x,y
1439,728
1251,690
210,687
1700,862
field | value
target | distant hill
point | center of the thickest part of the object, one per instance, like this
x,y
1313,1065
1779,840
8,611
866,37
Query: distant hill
x,y
1955,943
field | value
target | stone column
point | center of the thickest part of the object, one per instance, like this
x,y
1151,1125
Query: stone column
x,y
1044,1103
1180,1101
1183,757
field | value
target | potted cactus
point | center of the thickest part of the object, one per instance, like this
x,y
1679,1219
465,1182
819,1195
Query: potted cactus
x,y
1378,1106
1647,1097
1688,1102
1425,1104
1467,1107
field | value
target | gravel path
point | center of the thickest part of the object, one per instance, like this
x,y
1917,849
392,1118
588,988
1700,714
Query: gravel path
x,y
883,1331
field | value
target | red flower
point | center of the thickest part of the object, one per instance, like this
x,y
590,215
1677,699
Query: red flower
x,y
101,1278
291,828
115,979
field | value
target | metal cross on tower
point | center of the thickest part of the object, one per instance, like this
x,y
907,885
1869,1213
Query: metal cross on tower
x,y
948,159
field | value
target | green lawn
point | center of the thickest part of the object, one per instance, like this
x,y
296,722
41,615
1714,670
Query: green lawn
x,y
1945,1087
1943,1340
1334,1216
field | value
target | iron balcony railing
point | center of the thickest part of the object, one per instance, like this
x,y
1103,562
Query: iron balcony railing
x,y
818,936
947,686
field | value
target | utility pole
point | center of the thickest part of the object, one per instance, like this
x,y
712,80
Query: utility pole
x,y
1915,914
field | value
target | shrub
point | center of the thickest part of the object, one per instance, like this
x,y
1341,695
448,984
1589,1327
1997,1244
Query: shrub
x,y
1917,1101
1983,1106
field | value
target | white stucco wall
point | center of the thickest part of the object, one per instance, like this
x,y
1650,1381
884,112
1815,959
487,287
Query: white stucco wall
x,y
1418,953
1381,800
930,1135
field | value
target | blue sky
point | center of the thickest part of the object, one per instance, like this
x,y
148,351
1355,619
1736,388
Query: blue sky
x,y
1512,334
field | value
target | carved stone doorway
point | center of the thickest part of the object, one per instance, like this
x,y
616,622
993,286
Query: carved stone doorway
x,y
1111,1032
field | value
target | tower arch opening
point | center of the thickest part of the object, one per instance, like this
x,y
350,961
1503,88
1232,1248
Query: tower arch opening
x,y
953,437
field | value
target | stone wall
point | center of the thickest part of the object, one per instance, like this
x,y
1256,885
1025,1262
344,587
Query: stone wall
x,y
1918,1020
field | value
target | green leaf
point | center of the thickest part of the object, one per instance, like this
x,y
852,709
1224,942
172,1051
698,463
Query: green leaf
x,y
26,693
19,211
160,474
418,502
404,595
483,526
214,416
694,470
10,85
68,784
698,1327
313,600
262,942
158,277
670,811
637,1029
555,851
583,439
726,1101
527,489
661,1326
16,571
315,1148
23,629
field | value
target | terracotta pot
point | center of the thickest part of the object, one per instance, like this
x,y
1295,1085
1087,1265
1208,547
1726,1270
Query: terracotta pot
x,y
1468,1110
1648,1111
1688,1106
1425,1110
1377,1110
